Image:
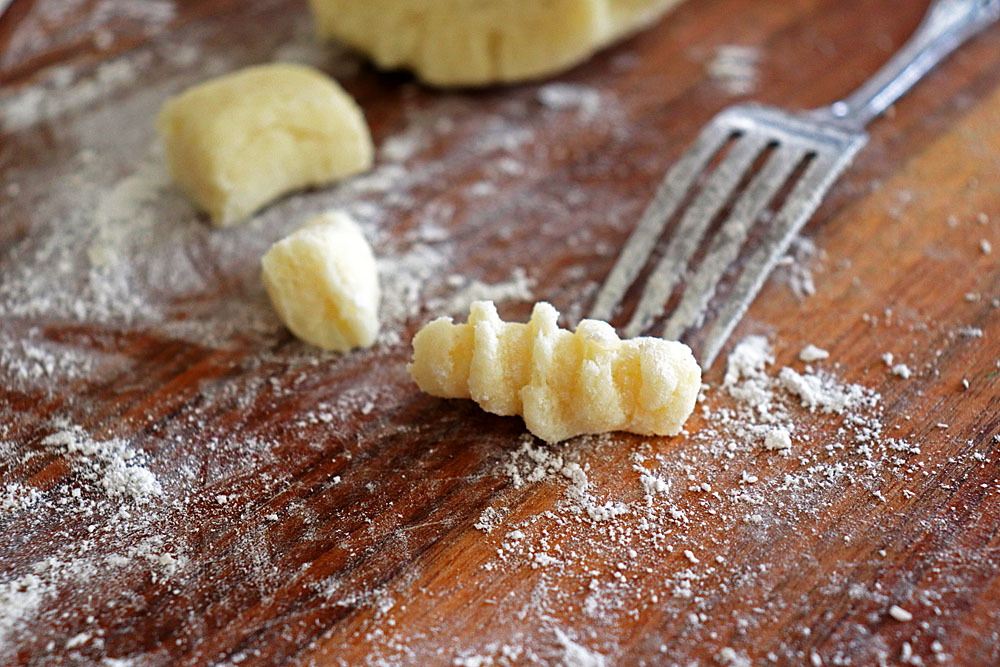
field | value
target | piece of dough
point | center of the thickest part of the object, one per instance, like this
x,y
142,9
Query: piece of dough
x,y
239,141
477,42
323,282
563,383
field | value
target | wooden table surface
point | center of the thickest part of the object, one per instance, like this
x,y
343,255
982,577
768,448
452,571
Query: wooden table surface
x,y
318,509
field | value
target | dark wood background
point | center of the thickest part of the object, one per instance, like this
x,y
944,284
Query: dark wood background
x,y
374,557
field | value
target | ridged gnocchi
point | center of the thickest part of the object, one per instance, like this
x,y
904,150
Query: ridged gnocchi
x,y
563,383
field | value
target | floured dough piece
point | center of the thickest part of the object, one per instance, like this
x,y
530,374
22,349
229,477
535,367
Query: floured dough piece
x,y
476,42
239,141
323,282
563,383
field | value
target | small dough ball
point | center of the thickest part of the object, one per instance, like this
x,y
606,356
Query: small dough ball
x,y
323,282
478,42
241,140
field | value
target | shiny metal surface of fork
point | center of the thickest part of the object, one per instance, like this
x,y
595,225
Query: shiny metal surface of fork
x,y
801,154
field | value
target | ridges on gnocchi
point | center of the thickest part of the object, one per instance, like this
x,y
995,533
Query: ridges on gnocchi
x,y
563,383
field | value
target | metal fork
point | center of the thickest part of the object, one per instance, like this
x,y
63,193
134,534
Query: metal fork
x,y
800,153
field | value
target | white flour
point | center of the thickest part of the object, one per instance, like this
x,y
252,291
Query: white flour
x,y
564,96
596,538
16,497
576,655
825,393
107,488
64,91
29,359
797,267
608,531
19,597
811,353
111,464
518,288
105,240
735,68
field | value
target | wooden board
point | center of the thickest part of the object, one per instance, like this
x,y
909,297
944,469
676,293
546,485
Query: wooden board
x,y
317,509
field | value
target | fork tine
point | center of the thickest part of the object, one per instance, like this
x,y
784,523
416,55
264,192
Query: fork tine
x,y
675,185
801,203
692,227
726,245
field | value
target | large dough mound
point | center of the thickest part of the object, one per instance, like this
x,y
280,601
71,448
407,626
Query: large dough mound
x,y
477,42
563,383
243,139
323,282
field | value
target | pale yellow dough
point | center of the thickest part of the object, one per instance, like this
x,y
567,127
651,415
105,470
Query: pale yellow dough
x,y
477,42
323,282
563,383
239,141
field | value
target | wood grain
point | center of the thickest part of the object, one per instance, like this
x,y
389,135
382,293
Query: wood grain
x,y
374,557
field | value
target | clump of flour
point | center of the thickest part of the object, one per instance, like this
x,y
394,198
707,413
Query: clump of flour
x,y
112,464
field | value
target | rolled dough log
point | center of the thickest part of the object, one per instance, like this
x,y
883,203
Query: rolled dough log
x,y
239,141
478,42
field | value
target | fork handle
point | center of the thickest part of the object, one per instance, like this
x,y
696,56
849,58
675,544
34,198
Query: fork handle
x,y
946,26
